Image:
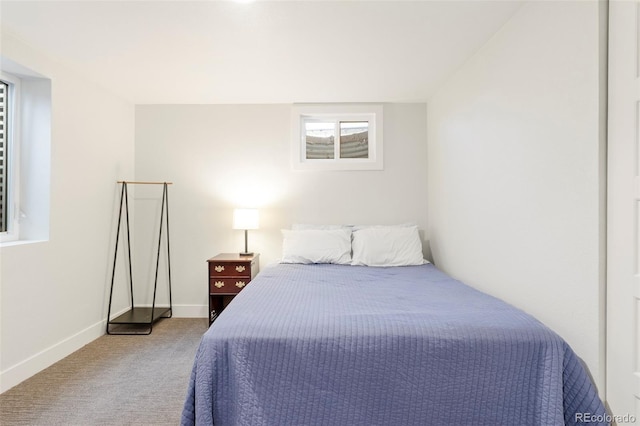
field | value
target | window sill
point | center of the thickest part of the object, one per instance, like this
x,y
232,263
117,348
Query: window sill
x,y
20,243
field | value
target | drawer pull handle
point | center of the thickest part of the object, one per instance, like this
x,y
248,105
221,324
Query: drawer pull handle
x,y
219,268
240,284
219,284
240,268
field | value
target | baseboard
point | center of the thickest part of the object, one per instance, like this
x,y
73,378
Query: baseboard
x,y
43,359
16,374
180,311
190,311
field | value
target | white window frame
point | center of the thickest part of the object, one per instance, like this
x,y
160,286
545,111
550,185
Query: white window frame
x,y
13,159
372,113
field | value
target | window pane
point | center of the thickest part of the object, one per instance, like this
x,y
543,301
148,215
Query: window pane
x,y
4,92
354,139
319,139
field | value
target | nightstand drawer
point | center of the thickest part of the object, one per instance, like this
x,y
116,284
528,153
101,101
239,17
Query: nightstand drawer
x,y
230,269
227,285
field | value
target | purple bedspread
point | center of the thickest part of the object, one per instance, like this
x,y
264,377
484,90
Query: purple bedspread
x,y
350,345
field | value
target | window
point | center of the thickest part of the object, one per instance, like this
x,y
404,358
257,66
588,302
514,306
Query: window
x,y
25,154
9,96
337,137
4,93
320,139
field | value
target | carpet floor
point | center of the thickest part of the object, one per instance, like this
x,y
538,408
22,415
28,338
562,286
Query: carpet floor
x,y
114,380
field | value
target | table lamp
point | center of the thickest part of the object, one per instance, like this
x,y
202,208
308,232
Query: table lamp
x,y
245,219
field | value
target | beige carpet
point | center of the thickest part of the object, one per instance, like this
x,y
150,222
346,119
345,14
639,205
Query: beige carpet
x,y
114,380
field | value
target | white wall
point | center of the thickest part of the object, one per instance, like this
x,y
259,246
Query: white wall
x,y
53,294
514,171
225,156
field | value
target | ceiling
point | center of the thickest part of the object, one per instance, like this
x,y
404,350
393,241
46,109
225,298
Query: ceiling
x,y
194,52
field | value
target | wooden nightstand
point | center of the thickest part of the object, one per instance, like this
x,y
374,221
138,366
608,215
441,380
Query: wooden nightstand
x,y
229,273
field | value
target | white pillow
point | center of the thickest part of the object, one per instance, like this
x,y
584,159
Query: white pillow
x,y
387,246
316,246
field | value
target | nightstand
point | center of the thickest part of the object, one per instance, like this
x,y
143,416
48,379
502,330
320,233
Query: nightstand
x,y
229,273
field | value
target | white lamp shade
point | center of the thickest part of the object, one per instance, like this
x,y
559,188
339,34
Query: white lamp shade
x,y
245,219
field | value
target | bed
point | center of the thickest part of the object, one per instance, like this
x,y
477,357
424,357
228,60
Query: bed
x,y
343,344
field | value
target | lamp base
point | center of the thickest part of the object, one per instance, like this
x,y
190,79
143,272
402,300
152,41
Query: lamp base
x,y
246,251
